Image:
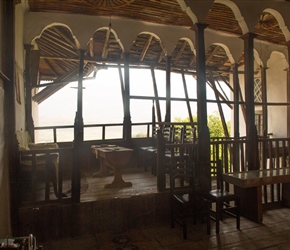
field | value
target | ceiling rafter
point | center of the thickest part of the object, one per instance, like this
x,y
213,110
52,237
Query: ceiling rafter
x,y
91,47
213,53
146,47
105,48
62,35
180,52
58,44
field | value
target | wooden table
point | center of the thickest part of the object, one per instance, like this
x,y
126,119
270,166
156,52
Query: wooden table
x,y
248,185
104,168
117,158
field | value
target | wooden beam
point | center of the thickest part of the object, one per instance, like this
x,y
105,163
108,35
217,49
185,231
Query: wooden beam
x,y
186,96
215,50
91,47
146,47
180,52
105,48
159,118
64,37
122,87
162,53
52,68
224,124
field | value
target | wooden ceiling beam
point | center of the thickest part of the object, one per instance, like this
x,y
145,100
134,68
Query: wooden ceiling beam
x,y
91,48
50,66
145,48
59,44
105,48
180,52
212,54
65,37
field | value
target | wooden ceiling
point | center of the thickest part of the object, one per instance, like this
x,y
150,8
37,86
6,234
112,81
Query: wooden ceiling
x,y
59,53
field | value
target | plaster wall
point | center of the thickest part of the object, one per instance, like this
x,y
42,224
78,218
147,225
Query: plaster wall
x,y
277,92
19,68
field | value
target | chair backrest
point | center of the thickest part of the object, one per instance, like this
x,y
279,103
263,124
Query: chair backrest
x,y
188,135
217,170
181,160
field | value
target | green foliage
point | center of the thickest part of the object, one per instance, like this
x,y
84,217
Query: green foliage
x,y
214,124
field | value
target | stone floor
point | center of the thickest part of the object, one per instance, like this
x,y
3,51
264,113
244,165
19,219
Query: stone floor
x,y
274,233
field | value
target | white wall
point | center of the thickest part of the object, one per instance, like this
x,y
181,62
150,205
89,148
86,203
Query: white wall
x,y
19,66
277,92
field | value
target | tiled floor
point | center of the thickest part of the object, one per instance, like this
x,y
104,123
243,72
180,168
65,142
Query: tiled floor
x,y
274,233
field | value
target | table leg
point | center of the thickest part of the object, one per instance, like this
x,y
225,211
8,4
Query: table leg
x,y
251,203
104,170
118,181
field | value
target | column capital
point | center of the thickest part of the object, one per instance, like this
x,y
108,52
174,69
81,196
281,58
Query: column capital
x,y
199,26
250,35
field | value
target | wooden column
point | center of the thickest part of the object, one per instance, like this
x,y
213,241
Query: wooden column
x,y
168,90
29,126
78,135
203,131
127,130
11,145
251,132
236,158
286,186
265,101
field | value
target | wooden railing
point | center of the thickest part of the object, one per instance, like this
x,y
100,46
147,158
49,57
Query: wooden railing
x,y
56,130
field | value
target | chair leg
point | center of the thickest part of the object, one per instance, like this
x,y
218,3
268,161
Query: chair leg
x,y
184,226
208,206
217,216
238,212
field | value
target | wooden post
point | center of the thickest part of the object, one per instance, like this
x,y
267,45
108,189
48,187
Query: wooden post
x,y
78,135
127,116
159,119
11,146
224,124
236,158
252,157
203,131
186,96
168,90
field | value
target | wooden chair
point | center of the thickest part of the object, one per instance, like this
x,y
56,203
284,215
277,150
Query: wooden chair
x,y
39,157
181,184
225,201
